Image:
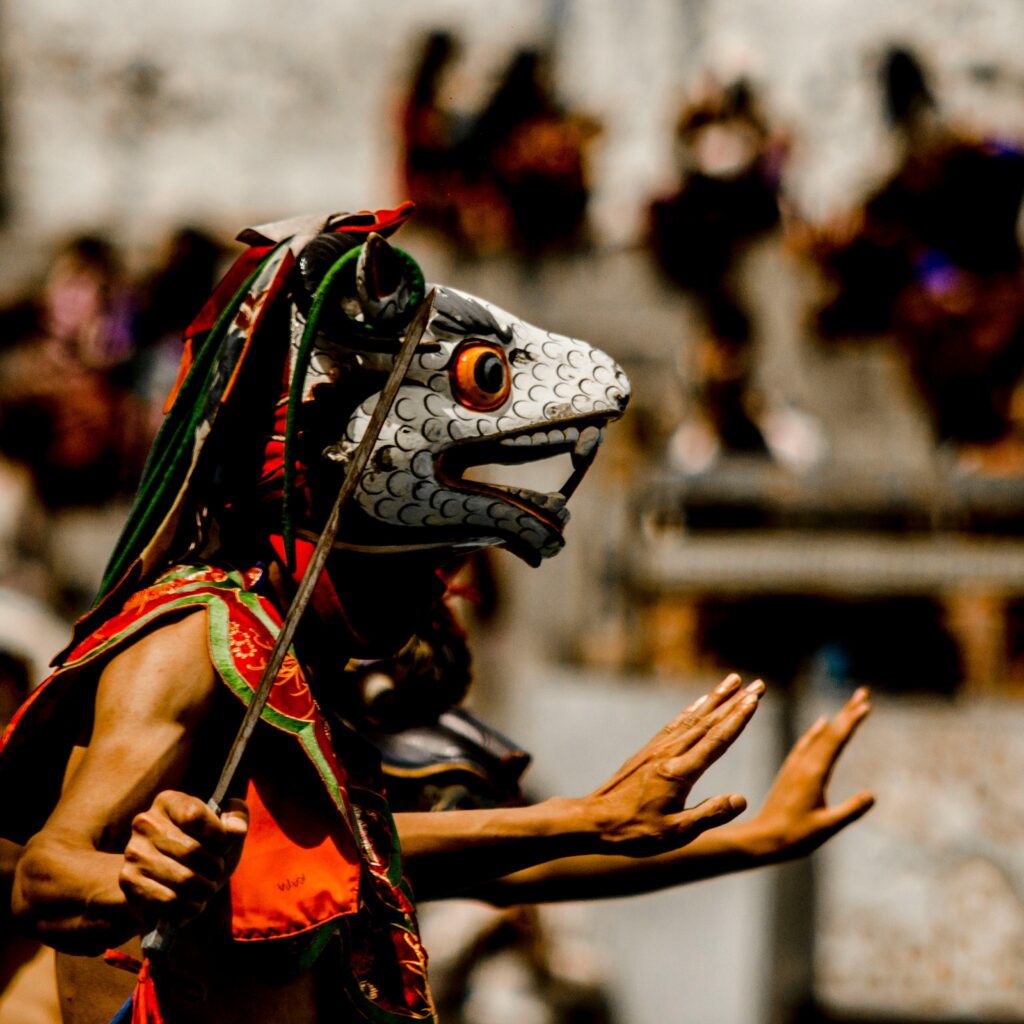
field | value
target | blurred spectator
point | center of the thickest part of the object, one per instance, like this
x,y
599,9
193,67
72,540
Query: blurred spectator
x,y
68,414
65,407
428,134
168,301
533,152
728,197
933,256
512,177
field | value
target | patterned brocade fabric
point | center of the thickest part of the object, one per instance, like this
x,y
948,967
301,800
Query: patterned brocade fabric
x,y
321,860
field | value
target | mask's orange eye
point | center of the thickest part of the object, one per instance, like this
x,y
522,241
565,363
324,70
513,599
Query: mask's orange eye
x,y
481,379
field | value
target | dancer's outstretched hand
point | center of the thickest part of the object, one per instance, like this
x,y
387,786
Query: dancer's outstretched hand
x,y
642,807
796,817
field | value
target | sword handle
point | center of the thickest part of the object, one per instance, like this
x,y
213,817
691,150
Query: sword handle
x,y
158,942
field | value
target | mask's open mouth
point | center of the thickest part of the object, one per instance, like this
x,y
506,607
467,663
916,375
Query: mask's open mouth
x,y
475,466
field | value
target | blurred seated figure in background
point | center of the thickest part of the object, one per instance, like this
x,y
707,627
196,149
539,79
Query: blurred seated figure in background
x,y
533,153
428,135
727,198
66,413
512,177
168,299
933,257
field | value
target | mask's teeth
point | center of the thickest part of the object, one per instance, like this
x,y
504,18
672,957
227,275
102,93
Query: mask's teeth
x,y
552,503
583,441
589,439
526,440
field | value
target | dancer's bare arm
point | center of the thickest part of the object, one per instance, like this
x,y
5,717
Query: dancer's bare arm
x,y
641,811
794,820
122,847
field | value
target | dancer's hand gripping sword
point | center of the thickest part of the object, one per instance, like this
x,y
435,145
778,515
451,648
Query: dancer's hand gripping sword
x,y
160,938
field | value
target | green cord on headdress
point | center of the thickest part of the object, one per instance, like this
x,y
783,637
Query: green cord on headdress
x,y
301,366
173,450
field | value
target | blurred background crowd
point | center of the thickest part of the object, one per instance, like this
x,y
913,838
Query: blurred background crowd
x,y
798,226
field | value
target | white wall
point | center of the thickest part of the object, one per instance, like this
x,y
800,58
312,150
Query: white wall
x,y
263,107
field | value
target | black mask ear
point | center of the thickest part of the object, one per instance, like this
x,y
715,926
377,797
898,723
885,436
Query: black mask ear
x,y
389,283
316,258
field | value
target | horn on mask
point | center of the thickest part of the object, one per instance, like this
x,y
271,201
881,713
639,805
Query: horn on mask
x,y
376,287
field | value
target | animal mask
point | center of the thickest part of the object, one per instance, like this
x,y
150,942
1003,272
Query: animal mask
x,y
484,388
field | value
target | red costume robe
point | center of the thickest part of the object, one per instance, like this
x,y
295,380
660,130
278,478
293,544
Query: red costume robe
x,y
321,858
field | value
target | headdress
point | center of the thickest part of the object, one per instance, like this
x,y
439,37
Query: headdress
x,y
218,345
281,373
